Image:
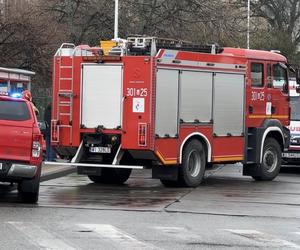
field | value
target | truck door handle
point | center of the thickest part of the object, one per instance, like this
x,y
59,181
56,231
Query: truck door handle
x,y
250,108
273,110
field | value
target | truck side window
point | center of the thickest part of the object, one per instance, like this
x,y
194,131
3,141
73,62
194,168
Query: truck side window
x,y
257,76
279,76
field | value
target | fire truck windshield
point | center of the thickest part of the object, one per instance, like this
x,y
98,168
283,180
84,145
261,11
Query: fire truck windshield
x,y
295,108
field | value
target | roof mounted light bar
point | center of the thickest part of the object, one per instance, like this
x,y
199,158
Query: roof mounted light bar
x,y
140,45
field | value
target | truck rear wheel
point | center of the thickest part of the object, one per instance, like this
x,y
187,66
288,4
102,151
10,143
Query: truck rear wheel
x,y
271,161
192,169
111,176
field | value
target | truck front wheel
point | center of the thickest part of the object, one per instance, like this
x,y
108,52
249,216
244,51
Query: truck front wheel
x,y
271,161
192,169
111,176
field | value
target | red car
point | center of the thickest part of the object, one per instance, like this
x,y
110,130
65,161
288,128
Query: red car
x,y
20,147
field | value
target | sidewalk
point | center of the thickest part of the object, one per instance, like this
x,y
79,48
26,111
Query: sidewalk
x,y
51,172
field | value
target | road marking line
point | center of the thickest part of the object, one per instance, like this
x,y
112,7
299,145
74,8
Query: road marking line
x,y
170,229
40,237
178,232
297,233
263,238
122,239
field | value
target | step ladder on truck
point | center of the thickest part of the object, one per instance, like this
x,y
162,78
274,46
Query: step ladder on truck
x,y
172,106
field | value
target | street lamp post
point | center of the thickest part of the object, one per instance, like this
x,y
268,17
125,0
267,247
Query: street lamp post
x,y
248,26
116,19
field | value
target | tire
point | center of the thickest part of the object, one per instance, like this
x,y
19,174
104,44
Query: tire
x,y
111,176
29,190
271,161
192,169
30,197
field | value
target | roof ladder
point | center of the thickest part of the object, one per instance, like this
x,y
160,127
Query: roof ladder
x,y
66,88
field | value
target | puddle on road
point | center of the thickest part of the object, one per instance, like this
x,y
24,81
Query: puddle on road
x,y
138,193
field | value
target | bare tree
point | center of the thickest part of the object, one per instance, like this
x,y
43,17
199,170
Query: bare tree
x,y
278,25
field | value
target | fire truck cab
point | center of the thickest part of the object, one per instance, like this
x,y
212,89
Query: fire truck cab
x,y
175,107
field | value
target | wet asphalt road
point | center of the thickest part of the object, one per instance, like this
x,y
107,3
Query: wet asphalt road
x,y
228,211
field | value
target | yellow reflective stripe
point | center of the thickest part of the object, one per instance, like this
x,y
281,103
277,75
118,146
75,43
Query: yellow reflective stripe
x,y
166,162
228,158
269,116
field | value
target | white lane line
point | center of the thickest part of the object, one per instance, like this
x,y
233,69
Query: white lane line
x,y
118,237
40,237
170,230
297,233
264,238
178,232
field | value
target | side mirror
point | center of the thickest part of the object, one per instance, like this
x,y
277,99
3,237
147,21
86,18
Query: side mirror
x,y
297,76
42,126
297,72
285,88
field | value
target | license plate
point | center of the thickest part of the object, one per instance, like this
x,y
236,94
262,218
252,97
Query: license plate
x,y
103,150
1,166
291,155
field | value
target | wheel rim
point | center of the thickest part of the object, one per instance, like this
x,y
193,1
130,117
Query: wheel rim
x,y
194,163
270,160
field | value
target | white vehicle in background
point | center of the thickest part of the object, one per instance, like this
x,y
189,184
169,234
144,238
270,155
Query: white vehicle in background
x,y
293,154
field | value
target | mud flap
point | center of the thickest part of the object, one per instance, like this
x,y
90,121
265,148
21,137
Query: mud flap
x,y
252,169
169,173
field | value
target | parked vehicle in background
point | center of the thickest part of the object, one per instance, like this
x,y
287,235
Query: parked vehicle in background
x,y
293,154
14,81
172,106
20,147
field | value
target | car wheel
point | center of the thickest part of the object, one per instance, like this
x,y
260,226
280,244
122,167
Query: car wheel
x,y
29,197
29,189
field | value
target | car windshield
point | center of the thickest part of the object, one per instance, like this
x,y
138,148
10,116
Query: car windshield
x,y
14,111
295,108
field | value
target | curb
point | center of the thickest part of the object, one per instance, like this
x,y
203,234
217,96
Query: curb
x,y
56,174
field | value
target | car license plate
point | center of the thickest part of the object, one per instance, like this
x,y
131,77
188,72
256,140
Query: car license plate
x,y
1,166
103,150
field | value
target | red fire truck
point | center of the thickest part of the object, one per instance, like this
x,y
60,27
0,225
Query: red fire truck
x,y
175,111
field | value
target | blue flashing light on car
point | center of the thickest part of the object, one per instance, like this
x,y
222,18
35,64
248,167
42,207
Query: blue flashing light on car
x,y
16,95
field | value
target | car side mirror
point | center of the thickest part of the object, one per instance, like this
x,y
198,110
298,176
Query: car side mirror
x,y
42,126
285,88
297,72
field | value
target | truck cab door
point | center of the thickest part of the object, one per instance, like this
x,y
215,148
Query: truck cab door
x,y
257,93
279,92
